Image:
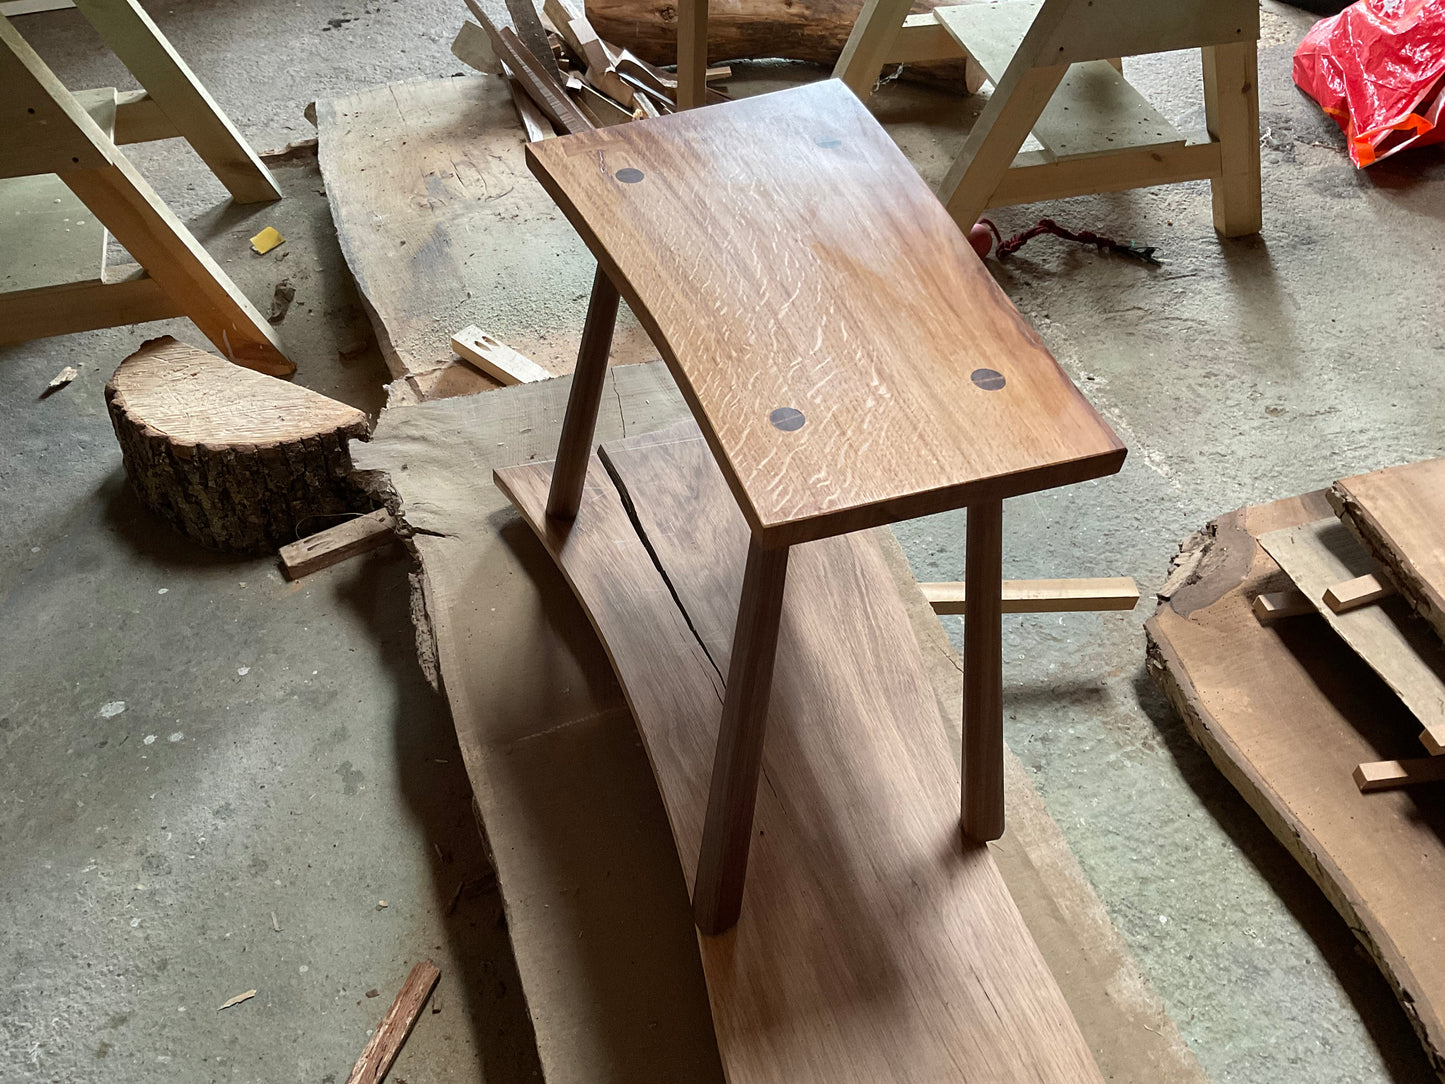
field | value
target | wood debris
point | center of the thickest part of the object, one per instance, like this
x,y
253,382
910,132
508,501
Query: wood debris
x,y
62,378
247,996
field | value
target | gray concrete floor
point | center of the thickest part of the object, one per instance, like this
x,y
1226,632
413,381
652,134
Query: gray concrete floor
x,y
280,752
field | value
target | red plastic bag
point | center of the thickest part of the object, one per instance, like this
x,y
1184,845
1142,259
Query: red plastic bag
x,y
1378,68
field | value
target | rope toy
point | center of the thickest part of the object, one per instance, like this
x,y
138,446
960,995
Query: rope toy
x,y
981,241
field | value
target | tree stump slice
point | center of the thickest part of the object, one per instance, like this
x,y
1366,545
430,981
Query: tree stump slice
x,y
231,458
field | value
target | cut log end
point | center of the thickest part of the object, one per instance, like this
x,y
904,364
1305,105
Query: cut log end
x,y
233,459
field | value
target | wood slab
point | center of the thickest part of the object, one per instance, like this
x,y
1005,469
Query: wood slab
x,y
1287,712
1387,635
597,905
848,357
442,227
874,945
1399,514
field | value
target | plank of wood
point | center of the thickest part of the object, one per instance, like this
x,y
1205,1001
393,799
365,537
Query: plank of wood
x,y
535,78
811,445
1277,605
1360,591
171,84
528,28
858,827
496,358
600,71
1391,774
581,841
127,296
1042,596
336,544
1036,176
534,121
1401,649
391,1034
12,8
1397,513
1094,110
140,119
600,109
1287,713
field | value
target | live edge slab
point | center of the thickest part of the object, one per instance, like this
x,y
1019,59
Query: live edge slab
x,y
873,945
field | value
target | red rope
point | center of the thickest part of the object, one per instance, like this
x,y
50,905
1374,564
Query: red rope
x,y
1049,226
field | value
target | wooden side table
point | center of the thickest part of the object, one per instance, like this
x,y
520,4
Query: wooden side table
x,y
848,359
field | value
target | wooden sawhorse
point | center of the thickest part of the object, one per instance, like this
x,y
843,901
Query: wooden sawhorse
x,y
65,183
850,363
1054,65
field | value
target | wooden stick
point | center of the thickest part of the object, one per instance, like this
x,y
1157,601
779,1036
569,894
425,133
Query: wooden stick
x,y
386,1042
1277,605
534,121
574,449
528,71
336,544
1361,591
495,358
1392,774
983,675
722,863
1042,596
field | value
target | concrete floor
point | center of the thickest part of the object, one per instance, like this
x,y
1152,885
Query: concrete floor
x,y
280,753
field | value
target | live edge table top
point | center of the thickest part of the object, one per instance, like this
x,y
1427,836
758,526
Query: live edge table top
x,y
846,354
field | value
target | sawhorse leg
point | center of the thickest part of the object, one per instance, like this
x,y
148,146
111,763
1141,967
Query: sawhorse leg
x,y
997,135
574,450
1231,112
131,34
722,864
691,53
869,44
983,674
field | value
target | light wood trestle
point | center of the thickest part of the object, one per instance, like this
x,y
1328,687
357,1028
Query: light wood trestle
x,y
849,362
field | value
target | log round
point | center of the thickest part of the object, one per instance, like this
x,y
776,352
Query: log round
x,y
811,30
233,459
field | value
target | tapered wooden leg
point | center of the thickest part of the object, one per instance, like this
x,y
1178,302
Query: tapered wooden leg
x,y
575,448
722,865
691,53
868,46
983,675
1231,112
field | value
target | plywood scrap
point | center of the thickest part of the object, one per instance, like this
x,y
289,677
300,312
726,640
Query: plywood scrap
x,y
1397,645
1287,712
1389,774
233,459
387,1040
1399,514
495,358
1042,596
473,47
335,544
1361,591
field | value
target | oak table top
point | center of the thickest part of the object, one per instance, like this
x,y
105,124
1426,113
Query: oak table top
x,y
847,356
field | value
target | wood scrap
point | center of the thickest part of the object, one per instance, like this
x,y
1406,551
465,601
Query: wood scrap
x,y
532,74
528,27
233,459
231,1002
600,109
335,544
1360,591
473,47
1287,713
387,1040
495,358
1276,605
1042,596
1399,514
534,121
1389,774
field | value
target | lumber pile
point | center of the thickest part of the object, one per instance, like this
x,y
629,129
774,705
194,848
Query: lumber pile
x,y
233,459
562,76
1300,642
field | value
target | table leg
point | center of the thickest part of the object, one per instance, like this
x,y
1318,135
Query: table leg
x,y
722,864
691,53
574,450
983,674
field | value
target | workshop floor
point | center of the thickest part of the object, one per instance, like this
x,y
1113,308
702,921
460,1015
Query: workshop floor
x,y
214,778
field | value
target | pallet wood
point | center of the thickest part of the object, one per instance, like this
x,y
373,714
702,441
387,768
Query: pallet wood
x,y
335,544
855,871
922,293
578,832
1042,596
1397,646
1397,513
391,1034
233,459
1287,713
